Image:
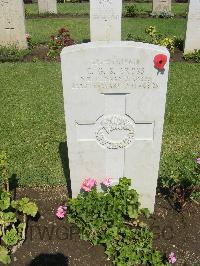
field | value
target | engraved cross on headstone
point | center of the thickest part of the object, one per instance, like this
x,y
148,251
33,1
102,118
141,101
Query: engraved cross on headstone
x,y
105,20
115,131
8,22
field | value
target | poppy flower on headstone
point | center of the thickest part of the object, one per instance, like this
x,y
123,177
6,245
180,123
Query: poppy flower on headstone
x,y
159,61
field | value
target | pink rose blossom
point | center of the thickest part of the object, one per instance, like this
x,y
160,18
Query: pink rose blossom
x,y
61,211
107,181
198,160
88,184
172,258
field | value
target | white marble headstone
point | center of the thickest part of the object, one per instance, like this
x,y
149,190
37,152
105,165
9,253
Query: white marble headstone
x,y
192,40
47,6
12,23
114,102
105,20
161,6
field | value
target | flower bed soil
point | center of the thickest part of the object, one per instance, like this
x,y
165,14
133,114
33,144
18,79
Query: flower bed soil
x,y
53,242
147,15
40,53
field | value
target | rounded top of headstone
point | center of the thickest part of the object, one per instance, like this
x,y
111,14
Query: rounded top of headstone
x,y
115,44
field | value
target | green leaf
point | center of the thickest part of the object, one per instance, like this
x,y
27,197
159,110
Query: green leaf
x,y
132,212
25,206
6,218
4,257
146,212
11,237
4,200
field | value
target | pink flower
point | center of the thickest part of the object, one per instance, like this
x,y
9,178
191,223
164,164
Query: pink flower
x,y
107,181
61,211
198,160
88,184
28,36
172,258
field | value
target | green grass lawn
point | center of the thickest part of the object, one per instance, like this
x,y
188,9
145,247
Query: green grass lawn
x,y
42,29
83,8
32,118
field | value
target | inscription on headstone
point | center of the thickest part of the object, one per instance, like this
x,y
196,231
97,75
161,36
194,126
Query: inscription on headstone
x,y
12,23
114,101
47,6
105,20
192,40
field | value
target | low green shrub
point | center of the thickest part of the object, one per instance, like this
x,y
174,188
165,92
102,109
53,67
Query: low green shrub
x,y
180,177
114,218
131,10
195,56
179,43
13,216
163,14
12,54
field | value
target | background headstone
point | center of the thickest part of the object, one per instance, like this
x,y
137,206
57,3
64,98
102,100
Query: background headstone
x,y
114,102
12,23
161,6
105,20
47,6
192,40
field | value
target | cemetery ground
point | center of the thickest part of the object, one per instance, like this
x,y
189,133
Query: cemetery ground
x,y
41,29
82,9
33,135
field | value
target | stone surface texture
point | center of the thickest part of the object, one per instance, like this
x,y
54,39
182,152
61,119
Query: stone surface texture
x,y
105,20
192,40
161,6
114,101
12,23
47,6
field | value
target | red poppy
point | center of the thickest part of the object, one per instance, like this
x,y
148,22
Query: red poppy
x,y
159,61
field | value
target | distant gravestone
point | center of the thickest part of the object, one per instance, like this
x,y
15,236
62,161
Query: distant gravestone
x,y
114,100
160,6
12,23
105,20
47,6
192,40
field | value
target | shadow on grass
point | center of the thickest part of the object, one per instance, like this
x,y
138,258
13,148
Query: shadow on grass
x,y
63,150
13,184
57,259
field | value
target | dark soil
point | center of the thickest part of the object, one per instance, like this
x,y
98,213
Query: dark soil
x,y
39,53
71,16
51,241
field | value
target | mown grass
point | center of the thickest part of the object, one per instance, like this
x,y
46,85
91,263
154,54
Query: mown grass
x,y
42,29
32,121
79,9
32,118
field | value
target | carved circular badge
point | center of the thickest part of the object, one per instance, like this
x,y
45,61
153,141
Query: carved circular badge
x,y
115,131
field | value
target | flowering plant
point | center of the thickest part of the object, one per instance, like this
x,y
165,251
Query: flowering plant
x,y
159,39
59,41
61,212
114,218
88,184
107,181
29,40
172,258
